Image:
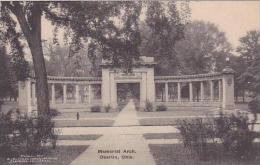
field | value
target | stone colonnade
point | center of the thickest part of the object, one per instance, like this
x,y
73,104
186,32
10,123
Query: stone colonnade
x,y
170,80
142,73
27,91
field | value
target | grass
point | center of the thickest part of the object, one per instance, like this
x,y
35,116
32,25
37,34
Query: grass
x,y
87,115
79,137
187,111
157,121
161,136
62,155
84,123
176,154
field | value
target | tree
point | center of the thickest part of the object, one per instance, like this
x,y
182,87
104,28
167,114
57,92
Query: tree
x,y
203,48
249,51
250,46
86,19
163,27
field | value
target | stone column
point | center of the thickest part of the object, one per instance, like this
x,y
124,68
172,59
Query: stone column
x,y
89,94
105,87
211,90
190,91
179,92
113,90
150,85
77,93
64,93
219,90
228,102
24,94
33,94
201,91
143,90
53,94
166,92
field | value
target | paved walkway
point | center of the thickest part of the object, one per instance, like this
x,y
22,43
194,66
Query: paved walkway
x,y
118,146
128,116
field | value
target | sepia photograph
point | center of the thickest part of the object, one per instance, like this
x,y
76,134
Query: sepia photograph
x,y
130,82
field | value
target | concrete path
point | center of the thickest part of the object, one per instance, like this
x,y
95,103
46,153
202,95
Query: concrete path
x,y
127,116
117,145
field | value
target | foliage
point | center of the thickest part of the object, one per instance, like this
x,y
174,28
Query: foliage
x,y
161,107
25,133
196,134
107,108
148,106
232,131
163,27
249,51
12,69
203,48
95,108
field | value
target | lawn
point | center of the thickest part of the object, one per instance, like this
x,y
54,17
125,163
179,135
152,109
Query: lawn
x,y
176,154
158,121
79,137
162,136
84,123
62,155
191,111
87,115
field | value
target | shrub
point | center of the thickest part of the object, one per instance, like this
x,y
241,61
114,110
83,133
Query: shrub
x,y
95,108
196,134
24,133
148,106
236,137
232,131
107,108
161,107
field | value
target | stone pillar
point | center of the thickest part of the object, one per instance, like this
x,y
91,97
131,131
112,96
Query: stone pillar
x,y
64,93
89,94
201,91
211,90
166,92
190,91
105,87
33,94
150,85
113,90
219,90
24,94
53,94
143,91
179,91
228,102
77,93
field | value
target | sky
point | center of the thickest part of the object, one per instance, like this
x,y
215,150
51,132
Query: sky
x,y
234,18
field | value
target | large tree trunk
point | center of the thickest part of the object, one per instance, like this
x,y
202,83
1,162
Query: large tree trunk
x,y
32,32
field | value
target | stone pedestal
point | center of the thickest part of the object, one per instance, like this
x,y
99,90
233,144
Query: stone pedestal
x,y
228,102
24,94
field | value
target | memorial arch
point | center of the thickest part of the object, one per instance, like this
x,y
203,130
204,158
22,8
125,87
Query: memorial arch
x,y
211,89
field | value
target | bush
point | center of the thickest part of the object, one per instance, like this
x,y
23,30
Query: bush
x,y
161,108
148,106
107,108
196,134
95,108
236,137
23,133
232,131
